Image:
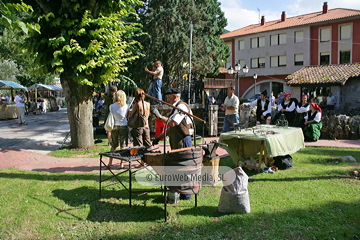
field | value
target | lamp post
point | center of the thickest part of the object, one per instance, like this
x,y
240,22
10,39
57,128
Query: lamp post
x,y
238,70
255,77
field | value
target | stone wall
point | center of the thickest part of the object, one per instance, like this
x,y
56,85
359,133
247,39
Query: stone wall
x,y
340,127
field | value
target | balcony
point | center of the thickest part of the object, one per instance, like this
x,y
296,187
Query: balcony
x,y
219,83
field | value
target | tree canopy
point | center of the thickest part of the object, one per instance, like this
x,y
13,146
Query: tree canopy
x,y
86,42
167,23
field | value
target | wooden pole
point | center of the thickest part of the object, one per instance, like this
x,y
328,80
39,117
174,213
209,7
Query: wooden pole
x,y
189,114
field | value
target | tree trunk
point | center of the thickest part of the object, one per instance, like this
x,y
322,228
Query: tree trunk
x,y
79,108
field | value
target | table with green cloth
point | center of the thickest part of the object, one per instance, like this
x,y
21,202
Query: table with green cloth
x,y
269,140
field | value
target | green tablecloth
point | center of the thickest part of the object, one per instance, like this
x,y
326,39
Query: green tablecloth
x,y
245,143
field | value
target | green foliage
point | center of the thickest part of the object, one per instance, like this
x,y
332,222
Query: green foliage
x,y
88,43
21,68
167,24
8,70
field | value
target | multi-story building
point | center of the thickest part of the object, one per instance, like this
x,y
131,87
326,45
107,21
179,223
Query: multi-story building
x,y
273,50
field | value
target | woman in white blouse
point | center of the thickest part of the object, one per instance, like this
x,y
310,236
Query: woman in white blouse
x,y
313,125
119,110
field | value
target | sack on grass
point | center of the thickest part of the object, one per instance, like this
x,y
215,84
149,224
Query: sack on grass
x,y
110,121
283,162
137,120
234,198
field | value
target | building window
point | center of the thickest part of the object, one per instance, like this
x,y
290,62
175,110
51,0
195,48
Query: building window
x,y
278,61
345,57
257,62
299,36
282,61
261,41
325,58
258,42
299,59
274,61
241,44
282,38
324,34
345,32
278,39
242,63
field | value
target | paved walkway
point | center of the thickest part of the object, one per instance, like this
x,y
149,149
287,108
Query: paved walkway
x,y
33,161
25,147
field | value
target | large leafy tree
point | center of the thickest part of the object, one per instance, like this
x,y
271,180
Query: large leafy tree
x,y
167,23
88,43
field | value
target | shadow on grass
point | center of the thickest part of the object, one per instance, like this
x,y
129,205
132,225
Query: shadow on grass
x,y
114,209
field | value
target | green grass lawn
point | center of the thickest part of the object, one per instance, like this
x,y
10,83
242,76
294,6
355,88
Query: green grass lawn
x,y
314,200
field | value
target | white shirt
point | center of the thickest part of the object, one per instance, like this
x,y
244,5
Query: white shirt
x,y
288,108
179,117
317,116
254,104
17,101
159,73
231,102
303,109
119,113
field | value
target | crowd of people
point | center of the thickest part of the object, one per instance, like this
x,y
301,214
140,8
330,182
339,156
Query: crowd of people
x,y
304,114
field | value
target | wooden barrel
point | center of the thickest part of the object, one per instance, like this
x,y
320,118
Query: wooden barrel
x,y
191,158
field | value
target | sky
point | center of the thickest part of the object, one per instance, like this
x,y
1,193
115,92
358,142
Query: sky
x,y
241,13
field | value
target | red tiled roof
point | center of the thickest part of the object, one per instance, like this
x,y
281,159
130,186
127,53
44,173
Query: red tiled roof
x,y
338,73
317,17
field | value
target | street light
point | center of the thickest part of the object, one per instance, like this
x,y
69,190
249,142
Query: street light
x,y
255,77
238,70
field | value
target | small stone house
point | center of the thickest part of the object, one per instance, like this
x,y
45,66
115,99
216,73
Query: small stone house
x,y
343,80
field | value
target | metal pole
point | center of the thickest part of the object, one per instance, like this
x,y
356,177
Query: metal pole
x,y
255,87
189,94
237,85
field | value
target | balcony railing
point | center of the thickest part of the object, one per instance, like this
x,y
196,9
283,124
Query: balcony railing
x,y
219,83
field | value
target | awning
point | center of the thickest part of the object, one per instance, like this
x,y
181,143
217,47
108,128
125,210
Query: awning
x,y
10,84
40,86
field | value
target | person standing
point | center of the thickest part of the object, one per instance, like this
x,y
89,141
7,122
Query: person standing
x,y
180,125
312,125
155,86
231,108
272,99
119,110
20,104
108,101
263,110
141,135
330,102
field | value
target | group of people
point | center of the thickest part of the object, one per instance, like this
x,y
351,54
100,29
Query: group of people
x,y
304,114
4,98
180,124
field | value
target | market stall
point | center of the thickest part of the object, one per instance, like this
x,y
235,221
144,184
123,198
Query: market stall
x,y
8,110
48,93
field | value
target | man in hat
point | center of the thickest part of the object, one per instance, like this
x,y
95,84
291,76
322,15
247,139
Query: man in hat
x,y
231,108
20,104
180,124
263,110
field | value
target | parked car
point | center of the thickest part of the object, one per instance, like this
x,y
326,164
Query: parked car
x,y
253,97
